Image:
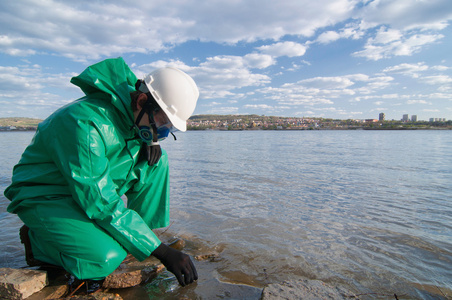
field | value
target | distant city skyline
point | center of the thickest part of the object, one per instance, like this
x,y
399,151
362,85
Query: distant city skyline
x,y
414,118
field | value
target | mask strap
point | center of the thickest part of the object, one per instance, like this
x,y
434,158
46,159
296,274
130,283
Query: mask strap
x,y
155,140
147,108
140,115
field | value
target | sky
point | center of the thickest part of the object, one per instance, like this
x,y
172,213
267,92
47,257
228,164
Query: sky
x,y
340,59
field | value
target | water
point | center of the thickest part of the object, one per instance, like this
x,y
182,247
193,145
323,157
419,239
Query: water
x,y
368,210
12,145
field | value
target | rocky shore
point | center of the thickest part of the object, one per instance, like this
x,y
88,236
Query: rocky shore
x,y
149,278
34,285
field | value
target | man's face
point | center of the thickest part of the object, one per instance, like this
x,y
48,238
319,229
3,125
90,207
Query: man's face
x,y
163,124
161,119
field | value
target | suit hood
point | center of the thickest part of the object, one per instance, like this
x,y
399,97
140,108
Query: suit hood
x,y
110,76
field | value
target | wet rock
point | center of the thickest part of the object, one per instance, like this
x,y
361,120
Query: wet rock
x,y
127,277
50,293
306,290
210,257
19,284
97,296
177,244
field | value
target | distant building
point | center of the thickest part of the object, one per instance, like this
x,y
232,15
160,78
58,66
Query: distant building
x,y
381,117
437,119
405,118
414,118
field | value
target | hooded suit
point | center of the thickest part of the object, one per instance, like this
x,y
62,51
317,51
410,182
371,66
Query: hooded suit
x,y
68,184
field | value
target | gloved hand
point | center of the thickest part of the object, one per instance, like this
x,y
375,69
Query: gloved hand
x,y
177,263
151,154
154,153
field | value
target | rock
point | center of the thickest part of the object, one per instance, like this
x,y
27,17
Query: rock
x,y
210,257
122,279
306,290
177,244
128,277
97,296
50,292
19,284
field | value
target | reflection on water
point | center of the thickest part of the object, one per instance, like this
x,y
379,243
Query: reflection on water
x,y
369,210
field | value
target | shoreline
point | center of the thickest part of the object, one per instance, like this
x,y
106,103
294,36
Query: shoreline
x,y
285,129
215,283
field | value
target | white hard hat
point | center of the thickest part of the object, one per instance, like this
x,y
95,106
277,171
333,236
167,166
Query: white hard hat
x,y
175,92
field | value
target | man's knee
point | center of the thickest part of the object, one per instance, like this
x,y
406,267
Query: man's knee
x,y
83,268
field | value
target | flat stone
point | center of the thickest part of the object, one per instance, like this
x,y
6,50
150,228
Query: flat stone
x,y
17,284
128,277
50,293
306,290
97,296
211,257
177,244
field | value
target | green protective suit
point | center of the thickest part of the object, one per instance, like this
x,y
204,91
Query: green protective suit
x,y
67,187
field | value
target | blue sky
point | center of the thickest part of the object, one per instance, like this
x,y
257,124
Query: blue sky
x,y
326,58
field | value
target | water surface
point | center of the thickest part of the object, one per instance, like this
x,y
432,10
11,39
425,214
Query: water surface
x,y
369,210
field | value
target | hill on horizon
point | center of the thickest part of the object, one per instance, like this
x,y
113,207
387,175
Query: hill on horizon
x,y
19,122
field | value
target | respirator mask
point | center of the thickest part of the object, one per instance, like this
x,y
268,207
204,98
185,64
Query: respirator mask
x,y
151,135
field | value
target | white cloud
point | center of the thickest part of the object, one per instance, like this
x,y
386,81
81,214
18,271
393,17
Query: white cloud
x,y
404,27
438,79
441,68
417,102
305,113
233,21
407,69
328,37
377,83
87,30
226,73
30,80
258,106
290,49
375,49
322,90
386,36
439,96
223,110
381,96
327,82
259,61
352,30
218,76
18,79
408,14
419,71
338,111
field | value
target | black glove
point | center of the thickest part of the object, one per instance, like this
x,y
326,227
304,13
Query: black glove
x,y
151,154
177,263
